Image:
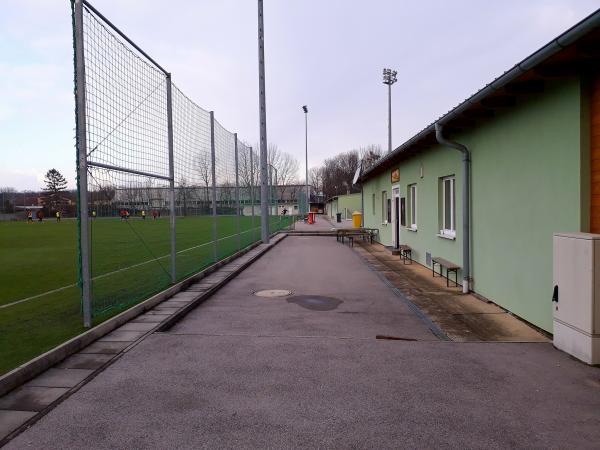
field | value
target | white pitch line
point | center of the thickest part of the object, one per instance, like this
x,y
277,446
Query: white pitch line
x,y
104,275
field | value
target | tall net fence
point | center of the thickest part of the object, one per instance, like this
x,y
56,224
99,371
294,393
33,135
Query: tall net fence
x,y
169,190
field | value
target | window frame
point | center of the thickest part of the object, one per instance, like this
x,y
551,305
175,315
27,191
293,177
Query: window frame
x,y
384,207
412,195
451,231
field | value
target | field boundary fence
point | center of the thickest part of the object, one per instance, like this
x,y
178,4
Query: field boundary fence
x,y
164,190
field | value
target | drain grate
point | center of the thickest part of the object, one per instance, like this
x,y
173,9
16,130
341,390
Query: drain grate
x,y
272,293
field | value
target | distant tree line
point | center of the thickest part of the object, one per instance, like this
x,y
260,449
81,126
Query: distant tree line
x,y
335,176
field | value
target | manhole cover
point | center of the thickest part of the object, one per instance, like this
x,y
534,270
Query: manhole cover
x,y
315,302
273,293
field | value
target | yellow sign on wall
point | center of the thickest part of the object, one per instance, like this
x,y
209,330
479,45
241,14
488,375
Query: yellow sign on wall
x,y
395,175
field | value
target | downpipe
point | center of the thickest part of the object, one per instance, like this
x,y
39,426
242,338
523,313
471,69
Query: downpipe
x,y
466,217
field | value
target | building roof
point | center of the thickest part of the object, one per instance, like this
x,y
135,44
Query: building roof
x,y
566,55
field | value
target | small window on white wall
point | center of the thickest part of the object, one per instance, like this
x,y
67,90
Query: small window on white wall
x,y
384,207
448,208
373,205
412,198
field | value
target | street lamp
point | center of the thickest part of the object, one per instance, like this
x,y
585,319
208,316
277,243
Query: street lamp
x,y
305,109
389,78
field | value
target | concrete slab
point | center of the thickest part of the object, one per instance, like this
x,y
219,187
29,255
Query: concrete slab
x,y
184,296
122,336
150,318
29,398
165,310
91,361
11,420
137,326
175,304
104,347
60,378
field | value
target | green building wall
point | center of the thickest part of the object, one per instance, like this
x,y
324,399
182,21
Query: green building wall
x,y
344,204
527,183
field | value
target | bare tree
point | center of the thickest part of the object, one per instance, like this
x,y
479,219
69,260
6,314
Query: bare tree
x,y
203,165
338,173
369,155
182,194
287,168
315,177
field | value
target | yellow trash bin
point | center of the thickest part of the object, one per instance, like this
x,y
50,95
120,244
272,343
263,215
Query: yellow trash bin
x,y
356,219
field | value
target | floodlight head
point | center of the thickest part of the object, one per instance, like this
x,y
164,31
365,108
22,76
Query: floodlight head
x,y
389,76
305,109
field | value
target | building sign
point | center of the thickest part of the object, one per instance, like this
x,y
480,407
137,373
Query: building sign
x,y
395,175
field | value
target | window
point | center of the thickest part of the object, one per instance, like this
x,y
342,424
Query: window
x,y
403,211
384,207
412,199
389,210
448,208
373,204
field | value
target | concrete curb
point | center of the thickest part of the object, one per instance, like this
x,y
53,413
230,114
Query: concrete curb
x,y
36,366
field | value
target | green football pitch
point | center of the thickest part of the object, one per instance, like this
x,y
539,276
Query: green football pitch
x,y
39,297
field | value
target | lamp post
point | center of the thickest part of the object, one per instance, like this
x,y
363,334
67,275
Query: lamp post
x,y
305,109
389,78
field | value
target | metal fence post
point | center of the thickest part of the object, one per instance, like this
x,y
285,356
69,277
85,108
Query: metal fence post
x,y
214,184
82,183
252,189
237,193
172,178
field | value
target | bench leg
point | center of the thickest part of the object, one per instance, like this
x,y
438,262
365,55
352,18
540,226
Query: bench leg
x,y
433,269
447,277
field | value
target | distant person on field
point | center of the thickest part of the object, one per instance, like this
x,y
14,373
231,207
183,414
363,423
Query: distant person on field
x,y
40,216
143,214
284,212
29,216
58,216
123,215
93,214
154,214
126,214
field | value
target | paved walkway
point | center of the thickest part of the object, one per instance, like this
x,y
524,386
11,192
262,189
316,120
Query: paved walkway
x,y
248,372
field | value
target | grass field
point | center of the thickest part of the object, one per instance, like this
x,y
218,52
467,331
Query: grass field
x,y
39,298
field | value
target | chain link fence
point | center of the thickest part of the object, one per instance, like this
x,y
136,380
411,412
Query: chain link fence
x,y
164,189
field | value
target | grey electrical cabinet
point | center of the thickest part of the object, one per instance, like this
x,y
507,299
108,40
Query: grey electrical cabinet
x,y
576,299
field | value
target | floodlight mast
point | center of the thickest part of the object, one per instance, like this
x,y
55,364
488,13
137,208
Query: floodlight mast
x,y
305,109
389,78
264,189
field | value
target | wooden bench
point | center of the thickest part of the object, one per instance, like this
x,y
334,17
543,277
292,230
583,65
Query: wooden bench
x,y
450,267
351,233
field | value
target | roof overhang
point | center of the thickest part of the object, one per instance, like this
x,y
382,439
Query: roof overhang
x,y
570,54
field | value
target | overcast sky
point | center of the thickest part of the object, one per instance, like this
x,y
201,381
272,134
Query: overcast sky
x,y
328,54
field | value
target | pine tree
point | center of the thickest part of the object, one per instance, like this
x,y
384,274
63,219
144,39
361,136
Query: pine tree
x,y
55,183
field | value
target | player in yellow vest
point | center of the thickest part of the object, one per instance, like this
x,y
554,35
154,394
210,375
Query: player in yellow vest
x,y
58,216
143,214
